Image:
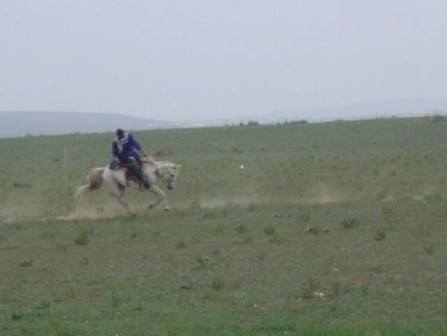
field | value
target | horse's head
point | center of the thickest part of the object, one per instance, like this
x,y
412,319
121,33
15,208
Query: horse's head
x,y
168,172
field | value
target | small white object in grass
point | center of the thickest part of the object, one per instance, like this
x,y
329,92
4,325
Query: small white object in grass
x,y
318,295
242,166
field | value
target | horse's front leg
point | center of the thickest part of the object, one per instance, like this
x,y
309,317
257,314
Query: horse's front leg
x,y
161,198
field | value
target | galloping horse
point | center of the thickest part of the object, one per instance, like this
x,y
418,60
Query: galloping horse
x,y
117,180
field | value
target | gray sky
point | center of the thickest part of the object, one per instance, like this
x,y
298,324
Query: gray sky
x,y
191,59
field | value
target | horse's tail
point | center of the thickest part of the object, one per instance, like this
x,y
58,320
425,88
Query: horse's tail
x,y
94,181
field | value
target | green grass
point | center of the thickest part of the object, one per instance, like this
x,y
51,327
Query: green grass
x,y
352,210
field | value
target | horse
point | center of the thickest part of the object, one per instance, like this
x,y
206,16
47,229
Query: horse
x,y
118,181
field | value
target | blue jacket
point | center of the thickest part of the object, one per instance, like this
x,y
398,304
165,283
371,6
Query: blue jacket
x,y
126,147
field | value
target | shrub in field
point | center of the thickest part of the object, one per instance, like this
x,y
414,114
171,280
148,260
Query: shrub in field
x,y
349,223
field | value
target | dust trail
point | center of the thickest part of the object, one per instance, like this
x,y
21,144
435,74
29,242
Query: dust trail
x,y
318,194
21,209
326,195
425,193
80,214
211,203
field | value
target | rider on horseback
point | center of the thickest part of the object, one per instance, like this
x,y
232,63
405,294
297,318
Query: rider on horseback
x,y
127,151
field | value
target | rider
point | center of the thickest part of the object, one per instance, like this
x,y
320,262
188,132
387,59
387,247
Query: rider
x,y
127,150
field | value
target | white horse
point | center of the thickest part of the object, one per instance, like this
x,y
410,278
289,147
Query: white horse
x,y
117,180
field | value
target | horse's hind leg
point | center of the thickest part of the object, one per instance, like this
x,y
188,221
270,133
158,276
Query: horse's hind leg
x,y
120,197
126,205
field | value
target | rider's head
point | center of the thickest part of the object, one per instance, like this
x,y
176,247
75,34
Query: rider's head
x,y
120,133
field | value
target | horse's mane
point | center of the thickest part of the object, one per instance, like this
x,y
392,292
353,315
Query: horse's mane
x,y
160,164
148,159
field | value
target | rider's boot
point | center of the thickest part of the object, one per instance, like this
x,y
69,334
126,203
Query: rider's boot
x,y
136,170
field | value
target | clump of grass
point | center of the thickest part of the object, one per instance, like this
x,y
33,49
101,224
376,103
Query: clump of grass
x,y
71,293
386,210
377,269
337,289
209,215
83,237
274,239
16,316
26,263
303,218
47,235
180,244
62,247
116,301
309,288
262,256
217,284
252,207
248,239
196,205
364,288
349,223
270,230
43,304
313,230
422,231
380,235
429,249
219,229
205,262
241,228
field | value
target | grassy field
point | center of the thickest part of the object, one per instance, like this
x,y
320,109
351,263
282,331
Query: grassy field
x,y
329,229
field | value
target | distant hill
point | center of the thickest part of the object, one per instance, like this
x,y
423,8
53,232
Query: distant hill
x,y
16,124
392,108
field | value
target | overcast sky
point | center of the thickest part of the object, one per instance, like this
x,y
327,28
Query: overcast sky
x,y
190,59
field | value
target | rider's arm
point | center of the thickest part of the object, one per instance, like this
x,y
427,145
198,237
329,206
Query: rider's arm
x,y
133,142
115,152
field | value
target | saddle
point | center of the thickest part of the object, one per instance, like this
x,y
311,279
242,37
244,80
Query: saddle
x,y
130,176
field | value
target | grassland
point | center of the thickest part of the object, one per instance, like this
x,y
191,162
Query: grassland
x,y
330,229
